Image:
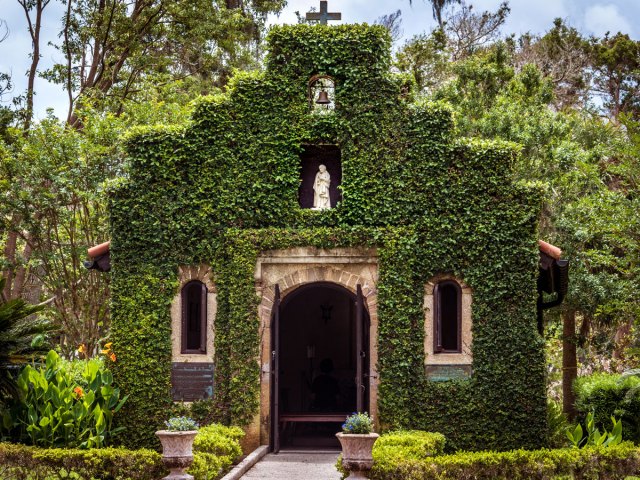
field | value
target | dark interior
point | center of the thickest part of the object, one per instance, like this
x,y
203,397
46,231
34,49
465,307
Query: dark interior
x,y
317,362
449,317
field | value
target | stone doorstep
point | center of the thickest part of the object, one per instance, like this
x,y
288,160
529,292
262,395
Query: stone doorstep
x,y
245,465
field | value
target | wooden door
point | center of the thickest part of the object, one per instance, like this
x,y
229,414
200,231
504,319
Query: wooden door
x,y
275,372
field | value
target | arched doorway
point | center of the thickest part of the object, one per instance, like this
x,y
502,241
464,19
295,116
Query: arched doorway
x,y
320,339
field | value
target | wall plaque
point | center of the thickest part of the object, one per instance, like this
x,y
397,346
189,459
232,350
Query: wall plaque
x,y
442,373
191,381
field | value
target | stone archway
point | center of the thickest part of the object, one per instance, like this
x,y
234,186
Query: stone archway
x,y
293,268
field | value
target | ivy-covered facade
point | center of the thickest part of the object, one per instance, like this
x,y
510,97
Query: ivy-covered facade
x,y
224,189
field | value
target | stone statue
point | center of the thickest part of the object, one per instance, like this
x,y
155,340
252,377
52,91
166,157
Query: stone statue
x,y
321,198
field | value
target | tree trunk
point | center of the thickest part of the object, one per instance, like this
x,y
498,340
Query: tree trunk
x,y
569,362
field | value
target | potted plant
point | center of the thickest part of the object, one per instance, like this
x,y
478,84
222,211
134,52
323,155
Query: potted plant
x,y
177,442
357,442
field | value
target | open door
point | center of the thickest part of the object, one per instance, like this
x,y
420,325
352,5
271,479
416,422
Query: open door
x,y
362,344
275,372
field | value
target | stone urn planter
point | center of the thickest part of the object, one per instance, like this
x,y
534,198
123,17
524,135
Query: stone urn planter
x,y
177,453
357,457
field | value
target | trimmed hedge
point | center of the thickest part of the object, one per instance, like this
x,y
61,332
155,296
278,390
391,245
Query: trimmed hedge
x,y
409,444
606,395
416,455
20,462
396,447
216,448
611,463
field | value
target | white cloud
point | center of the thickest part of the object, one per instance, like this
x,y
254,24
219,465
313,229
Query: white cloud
x,y
600,19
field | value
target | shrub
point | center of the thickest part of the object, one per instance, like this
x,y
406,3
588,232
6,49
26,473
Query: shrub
x,y
20,462
52,410
557,425
216,448
606,395
181,424
394,447
611,463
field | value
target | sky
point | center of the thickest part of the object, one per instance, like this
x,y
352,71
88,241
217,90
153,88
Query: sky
x,y
592,17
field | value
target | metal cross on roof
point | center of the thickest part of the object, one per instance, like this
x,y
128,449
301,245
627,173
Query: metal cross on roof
x,y
323,15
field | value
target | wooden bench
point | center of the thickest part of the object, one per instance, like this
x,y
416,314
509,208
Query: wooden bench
x,y
313,417
290,420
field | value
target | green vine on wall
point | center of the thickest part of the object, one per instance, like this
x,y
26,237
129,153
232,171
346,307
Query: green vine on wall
x,y
224,187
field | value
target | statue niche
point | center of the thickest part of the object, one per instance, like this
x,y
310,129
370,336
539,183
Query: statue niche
x,y
320,177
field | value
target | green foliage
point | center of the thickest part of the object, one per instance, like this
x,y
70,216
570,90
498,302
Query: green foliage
x,y
18,334
606,395
224,187
19,462
613,463
54,411
408,444
358,423
557,423
402,445
181,424
594,437
216,448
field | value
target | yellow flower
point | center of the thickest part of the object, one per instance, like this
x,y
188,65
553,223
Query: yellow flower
x,y
82,348
108,345
105,351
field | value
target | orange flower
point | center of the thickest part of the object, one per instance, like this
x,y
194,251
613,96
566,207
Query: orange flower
x,y
112,356
78,391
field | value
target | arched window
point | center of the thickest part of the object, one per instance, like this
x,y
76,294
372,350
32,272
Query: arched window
x,y
194,317
447,317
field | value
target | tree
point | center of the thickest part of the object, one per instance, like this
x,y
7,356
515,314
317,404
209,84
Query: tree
x,y
393,23
426,59
437,7
6,114
562,55
33,10
111,46
468,31
616,65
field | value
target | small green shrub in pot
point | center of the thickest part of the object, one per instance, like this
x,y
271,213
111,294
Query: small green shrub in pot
x,y
181,424
358,423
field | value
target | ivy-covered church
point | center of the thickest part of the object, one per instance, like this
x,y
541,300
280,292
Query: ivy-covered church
x,y
317,240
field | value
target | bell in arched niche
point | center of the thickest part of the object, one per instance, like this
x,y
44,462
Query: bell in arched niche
x,y
322,94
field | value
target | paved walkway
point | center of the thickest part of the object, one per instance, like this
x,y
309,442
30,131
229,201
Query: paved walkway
x,y
295,466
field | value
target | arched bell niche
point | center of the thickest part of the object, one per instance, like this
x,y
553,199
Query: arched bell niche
x,y
322,94
312,160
